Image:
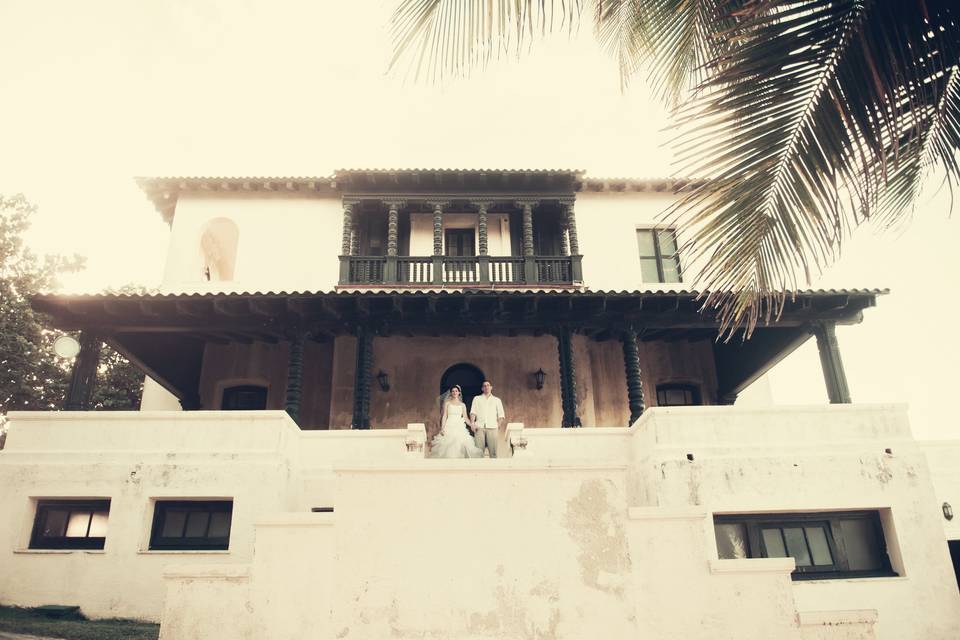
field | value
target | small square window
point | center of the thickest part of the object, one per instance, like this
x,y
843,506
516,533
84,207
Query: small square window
x,y
244,398
70,524
191,524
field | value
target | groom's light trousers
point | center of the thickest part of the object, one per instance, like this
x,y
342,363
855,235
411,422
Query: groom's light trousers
x,y
487,438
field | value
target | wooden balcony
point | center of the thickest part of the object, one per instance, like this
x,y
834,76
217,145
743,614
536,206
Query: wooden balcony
x,y
472,270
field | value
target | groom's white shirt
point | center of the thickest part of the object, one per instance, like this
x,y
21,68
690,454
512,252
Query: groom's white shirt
x,y
488,410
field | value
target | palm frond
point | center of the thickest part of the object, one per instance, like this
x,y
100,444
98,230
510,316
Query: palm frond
x,y
799,127
440,39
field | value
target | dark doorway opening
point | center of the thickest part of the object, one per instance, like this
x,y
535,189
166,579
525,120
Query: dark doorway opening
x,y
955,556
460,243
467,376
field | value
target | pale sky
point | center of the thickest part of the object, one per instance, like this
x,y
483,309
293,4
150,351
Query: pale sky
x,y
97,92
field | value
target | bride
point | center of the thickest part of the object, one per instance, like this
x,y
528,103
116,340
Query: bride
x,y
453,440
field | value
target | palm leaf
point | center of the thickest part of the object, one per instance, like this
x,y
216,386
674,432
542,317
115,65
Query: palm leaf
x,y
805,118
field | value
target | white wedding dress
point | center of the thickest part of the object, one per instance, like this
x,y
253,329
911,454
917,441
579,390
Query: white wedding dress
x,y
454,441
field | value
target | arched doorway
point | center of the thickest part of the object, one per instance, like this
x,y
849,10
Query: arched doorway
x,y
467,376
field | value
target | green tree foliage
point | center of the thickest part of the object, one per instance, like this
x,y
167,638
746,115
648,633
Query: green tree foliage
x,y
802,118
32,377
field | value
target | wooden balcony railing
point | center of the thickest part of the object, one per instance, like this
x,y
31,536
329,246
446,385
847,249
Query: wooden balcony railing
x,y
445,270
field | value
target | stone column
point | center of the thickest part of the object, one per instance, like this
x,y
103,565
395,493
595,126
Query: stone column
x,y
568,378
833,374
631,365
361,380
294,376
83,377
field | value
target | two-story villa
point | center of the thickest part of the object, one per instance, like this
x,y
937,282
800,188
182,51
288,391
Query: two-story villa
x,y
275,482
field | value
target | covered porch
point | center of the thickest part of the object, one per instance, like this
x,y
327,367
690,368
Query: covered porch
x,y
379,359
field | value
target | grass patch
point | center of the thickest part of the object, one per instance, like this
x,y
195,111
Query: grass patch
x,y
18,620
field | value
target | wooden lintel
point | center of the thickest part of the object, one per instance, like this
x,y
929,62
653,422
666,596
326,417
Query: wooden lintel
x,y
188,309
241,338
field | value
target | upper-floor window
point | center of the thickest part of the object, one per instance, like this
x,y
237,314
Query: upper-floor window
x,y
218,249
824,545
246,397
70,524
677,395
659,261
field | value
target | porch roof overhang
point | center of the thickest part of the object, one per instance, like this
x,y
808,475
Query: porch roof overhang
x,y
165,334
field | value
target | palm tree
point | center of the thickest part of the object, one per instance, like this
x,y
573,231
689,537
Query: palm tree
x,y
805,118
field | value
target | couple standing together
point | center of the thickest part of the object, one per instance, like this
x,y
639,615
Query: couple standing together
x,y
485,419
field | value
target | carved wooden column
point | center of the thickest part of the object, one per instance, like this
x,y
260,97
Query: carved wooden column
x,y
631,365
833,374
83,377
564,244
294,376
568,378
361,380
393,220
530,274
483,259
438,241
346,245
576,260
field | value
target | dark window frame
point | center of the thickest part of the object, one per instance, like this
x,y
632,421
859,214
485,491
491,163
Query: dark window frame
x,y
182,543
45,506
244,388
659,255
694,389
830,521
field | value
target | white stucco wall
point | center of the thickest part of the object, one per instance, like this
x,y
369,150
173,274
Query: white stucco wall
x,y
287,242
290,241
590,529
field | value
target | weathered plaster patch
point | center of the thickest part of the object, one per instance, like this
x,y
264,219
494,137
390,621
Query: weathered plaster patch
x,y
598,529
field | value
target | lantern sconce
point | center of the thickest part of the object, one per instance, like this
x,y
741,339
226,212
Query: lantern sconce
x,y
539,376
384,380
947,511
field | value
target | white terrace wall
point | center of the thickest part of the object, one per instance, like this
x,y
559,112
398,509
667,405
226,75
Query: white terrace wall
x,y
132,458
593,529
829,458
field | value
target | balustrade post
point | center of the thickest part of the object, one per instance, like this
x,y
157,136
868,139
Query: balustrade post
x,y
83,376
631,365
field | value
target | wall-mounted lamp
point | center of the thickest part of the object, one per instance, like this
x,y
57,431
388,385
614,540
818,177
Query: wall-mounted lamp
x,y
384,380
947,511
539,376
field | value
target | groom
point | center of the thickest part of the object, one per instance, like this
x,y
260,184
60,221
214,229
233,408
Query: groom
x,y
486,412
